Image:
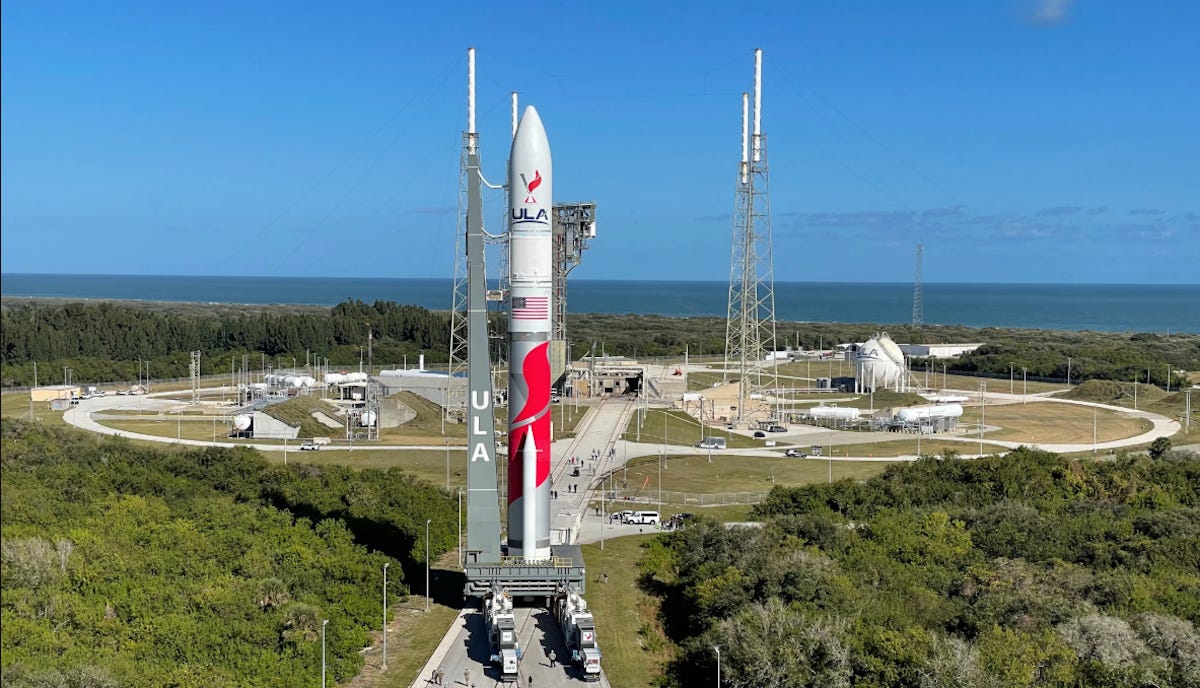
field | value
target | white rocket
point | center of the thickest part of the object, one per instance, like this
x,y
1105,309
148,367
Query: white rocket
x,y
529,326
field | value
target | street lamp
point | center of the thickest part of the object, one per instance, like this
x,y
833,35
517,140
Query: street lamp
x,y
447,439
661,457
717,649
1010,377
1024,383
385,565
323,625
427,596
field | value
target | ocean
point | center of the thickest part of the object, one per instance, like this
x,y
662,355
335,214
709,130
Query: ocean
x,y
1103,307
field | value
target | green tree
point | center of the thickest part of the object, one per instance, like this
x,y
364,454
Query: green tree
x,y
1159,447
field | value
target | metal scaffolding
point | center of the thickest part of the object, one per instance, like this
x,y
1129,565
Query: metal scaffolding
x,y
574,227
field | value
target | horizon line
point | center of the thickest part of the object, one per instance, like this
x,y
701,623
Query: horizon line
x,y
580,279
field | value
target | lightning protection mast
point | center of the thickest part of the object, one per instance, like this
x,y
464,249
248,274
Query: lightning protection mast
x,y
469,349
750,324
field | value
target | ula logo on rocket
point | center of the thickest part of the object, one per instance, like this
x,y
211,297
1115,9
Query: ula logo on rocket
x,y
531,185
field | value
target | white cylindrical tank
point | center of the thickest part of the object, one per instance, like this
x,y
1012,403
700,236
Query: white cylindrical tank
x,y
834,412
367,419
356,377
912,413
242,421
335,378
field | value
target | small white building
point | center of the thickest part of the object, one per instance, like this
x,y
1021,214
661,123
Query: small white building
x,y
938,350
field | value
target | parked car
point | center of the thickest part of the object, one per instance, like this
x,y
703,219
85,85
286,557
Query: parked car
x,y
759,434
309,445
795,453
777,428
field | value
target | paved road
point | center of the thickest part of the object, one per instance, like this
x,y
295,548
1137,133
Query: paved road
x,y
464,653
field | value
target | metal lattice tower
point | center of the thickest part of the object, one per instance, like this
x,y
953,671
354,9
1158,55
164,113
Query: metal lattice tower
x,y
456,385
918,314
574,225
750,323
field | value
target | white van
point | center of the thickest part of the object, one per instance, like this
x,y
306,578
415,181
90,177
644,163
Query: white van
x,y
712,443
643,518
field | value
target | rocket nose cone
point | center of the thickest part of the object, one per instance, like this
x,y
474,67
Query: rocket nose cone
x,y
530,128
531,116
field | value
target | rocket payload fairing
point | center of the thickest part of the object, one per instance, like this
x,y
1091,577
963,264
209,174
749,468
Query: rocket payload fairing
x,y
530,260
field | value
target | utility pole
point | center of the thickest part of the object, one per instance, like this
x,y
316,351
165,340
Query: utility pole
x,y
385,565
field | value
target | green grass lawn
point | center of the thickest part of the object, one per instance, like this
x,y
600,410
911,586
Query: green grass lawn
x,y
679,428
908,447
737,473
1054,423
631,639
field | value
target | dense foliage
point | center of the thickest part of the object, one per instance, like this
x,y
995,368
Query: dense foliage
x,y
134,566
103,342
1023,570
106,341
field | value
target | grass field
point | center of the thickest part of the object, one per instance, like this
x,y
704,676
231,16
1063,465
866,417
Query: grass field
x,y
1055,423
634,646
908,447
173,427
679,428
16,405
738,473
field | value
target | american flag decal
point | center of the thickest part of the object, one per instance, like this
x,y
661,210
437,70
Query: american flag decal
x,y
530,307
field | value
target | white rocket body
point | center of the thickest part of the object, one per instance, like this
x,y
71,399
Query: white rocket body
x,y
530,175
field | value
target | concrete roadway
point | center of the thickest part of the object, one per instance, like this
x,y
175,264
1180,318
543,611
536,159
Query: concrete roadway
x,y
464,653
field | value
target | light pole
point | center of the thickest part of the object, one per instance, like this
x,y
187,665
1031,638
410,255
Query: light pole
x,y
661,457
462,560
717,649
447,439
1068,371
1024,383
1010,377
427,595
385,565
323,625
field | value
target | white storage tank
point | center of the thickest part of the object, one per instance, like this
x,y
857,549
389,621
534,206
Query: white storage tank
x,y
833,412
335,378
367,419
242,422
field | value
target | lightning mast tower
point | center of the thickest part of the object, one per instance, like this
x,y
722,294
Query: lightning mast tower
x,y
483,508
750,324
918,314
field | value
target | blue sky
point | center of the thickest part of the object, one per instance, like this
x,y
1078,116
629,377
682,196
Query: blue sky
x,y
1018,140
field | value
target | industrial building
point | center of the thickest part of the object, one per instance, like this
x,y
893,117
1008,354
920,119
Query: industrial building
x,y
54,392
938,350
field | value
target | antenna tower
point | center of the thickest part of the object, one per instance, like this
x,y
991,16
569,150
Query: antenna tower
x,y
750,324
918,314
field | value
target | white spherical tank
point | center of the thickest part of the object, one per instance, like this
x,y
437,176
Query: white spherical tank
x,y
367,419
242,422
912,413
